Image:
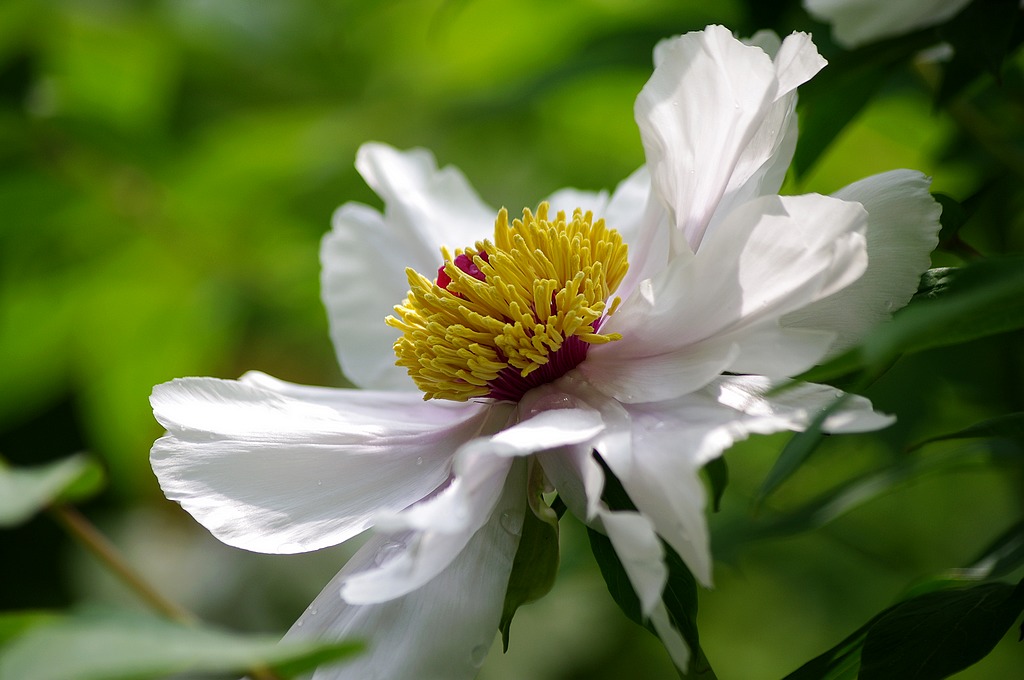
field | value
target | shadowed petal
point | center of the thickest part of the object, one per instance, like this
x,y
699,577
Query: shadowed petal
x,y
440,631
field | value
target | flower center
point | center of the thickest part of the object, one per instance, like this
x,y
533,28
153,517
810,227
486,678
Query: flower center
x,y
510,314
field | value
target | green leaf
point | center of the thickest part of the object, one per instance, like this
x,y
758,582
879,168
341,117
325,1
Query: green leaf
x,y
26,491
679,596
13,624
937,634
717,471
839,663
536,562
1008,426
797,451
116,647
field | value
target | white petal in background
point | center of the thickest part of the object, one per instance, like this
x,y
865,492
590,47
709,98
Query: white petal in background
x,y
903,228
365,255
856,22
272,473
441,631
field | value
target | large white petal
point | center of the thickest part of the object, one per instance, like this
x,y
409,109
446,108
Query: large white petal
x,y
855,22
365,255
903,228
441,631
274,473
713,117
773,255
429,535
641,219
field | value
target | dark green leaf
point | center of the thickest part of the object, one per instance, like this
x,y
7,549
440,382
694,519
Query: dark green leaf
x,y
1008,426
937,634
108,647
839,663
934,282
717,471
26,491
797,451
536,562
833,99
982,36
953,217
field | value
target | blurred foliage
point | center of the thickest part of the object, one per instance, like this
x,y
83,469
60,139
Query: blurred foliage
x,y
167,168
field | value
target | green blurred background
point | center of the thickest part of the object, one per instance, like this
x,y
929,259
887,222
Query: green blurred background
x,y
167,169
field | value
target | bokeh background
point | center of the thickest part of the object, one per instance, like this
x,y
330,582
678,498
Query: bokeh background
x,y
167,169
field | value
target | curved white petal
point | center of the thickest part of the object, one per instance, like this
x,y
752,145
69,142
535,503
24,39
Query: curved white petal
x,y
714,119
365,255
771,256
274,473
855,22
442,630
903,228
430,534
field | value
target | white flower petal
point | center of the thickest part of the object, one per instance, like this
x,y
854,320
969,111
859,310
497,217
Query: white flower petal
x,y
365,255
641,554
903,227
545,429
795,407
855,22
670,636
273,473
643,223
432,533
642,557
578,478
772,256
713,117
778,352
640,378
441,631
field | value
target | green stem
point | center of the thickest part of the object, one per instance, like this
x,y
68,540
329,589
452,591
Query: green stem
x,y
86,533
102,549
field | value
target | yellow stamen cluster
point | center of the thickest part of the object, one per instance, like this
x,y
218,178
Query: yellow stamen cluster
x,y
544,281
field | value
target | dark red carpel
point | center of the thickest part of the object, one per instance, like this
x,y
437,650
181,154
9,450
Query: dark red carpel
x,y
466,264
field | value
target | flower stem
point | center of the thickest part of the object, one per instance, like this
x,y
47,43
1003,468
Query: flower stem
x,y
86,533
100,546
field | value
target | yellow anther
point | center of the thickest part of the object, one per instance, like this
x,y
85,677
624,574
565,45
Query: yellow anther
x,y
540,282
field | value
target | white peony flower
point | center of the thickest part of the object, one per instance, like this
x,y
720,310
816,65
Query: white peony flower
x,y
647,327
857,22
